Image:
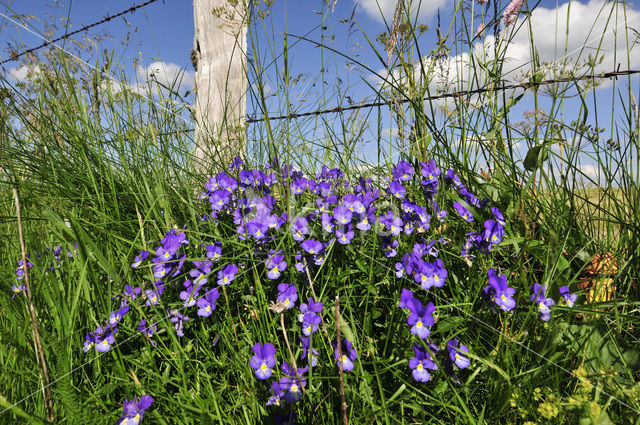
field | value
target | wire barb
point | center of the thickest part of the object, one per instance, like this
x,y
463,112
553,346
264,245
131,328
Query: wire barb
x,y
15,56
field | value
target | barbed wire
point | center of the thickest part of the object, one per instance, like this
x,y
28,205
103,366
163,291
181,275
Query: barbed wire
x,y
457,94
15,56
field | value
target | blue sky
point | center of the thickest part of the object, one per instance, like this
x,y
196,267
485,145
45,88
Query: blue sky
x,y
160,37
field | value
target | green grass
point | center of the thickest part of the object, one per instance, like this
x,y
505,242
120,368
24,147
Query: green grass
x,y
117,184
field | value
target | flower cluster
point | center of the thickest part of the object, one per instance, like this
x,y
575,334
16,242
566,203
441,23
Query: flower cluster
x,y
544,303
323,217
421,320
51,259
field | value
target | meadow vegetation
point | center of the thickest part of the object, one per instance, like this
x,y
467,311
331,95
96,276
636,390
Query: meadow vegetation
x,y
430,281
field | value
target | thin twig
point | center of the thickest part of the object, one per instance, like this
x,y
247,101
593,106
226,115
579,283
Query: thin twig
x,y
46,392
339,344
315,297
293,359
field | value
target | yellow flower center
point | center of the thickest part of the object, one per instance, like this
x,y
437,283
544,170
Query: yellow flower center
x,y
420,367
263,367
419,324
436,278
503,297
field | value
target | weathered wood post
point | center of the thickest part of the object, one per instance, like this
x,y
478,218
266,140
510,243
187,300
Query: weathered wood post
x,y
219,58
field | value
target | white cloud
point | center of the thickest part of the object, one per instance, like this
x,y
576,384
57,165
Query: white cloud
x,y
576,30
590,171
379,8
563,37
166,74
23,73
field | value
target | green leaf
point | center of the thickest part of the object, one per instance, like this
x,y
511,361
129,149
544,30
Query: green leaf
x,y
534,157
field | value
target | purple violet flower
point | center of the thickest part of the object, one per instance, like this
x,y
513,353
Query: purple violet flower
x,y
264,360
397,190
493,232
227,274
178,320
344,234
420,363
499,292
147,330
275,265
207,304
349,354
312,246
403,171
310,322
463,211
214,251
342,215
104,338
117,315
569,298
287,295
299,228
429,171
139,259
405,297
134,410
421,317
456,353
538,297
